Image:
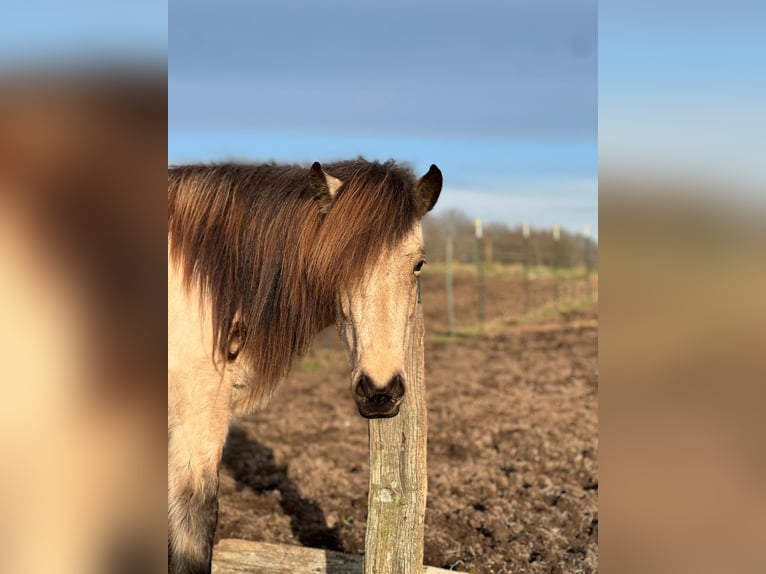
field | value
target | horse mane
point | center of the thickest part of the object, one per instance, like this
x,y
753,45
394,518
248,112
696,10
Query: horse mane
x,y
253,239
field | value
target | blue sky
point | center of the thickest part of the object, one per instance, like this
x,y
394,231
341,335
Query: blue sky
x,y
687,105
502,96
52,32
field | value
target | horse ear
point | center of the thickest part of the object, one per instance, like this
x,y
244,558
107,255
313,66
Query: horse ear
x,y
324,185
428,189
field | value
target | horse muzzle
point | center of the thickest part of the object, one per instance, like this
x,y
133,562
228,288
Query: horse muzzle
x,y
376,402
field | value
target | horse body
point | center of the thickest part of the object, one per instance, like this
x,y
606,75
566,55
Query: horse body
x,y
260,259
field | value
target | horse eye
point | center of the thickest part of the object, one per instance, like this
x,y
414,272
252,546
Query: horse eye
x,y
419,266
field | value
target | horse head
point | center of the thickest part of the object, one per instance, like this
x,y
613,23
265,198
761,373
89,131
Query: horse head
x,y
374,312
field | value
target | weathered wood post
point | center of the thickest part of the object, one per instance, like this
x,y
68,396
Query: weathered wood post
x,y
397,498
586,253
488,255
480,270
556,236
448,279
525,234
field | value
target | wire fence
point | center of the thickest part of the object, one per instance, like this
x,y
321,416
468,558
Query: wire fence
x,y
541,248
477,280
508,276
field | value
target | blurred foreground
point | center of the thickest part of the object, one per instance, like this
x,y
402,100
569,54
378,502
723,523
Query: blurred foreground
x,y
681,359
82,209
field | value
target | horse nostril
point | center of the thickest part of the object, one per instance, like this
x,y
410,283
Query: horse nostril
x,y
364,389
395,387
375,400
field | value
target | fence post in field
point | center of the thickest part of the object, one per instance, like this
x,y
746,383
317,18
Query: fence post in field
x,y
525,233
556,235
397,497
448,278
480,270
488,250
586,245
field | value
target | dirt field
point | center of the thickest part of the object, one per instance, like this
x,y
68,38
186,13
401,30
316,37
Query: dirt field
x,y
512,453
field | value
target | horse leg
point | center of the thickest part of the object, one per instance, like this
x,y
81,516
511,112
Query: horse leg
x,y
194,454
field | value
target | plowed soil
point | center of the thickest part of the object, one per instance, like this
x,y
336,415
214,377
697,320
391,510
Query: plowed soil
x,y
512,452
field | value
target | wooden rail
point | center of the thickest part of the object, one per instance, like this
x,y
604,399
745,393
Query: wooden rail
x,y
232,556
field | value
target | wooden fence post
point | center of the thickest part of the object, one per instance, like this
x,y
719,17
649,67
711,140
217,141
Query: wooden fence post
x,y
448,279
525,234
397,497
586,249
480,271
488,255
556,234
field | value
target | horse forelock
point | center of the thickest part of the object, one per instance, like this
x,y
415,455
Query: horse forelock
x,y
372,212
253,240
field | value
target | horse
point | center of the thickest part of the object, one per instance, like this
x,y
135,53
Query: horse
x,y
261,258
